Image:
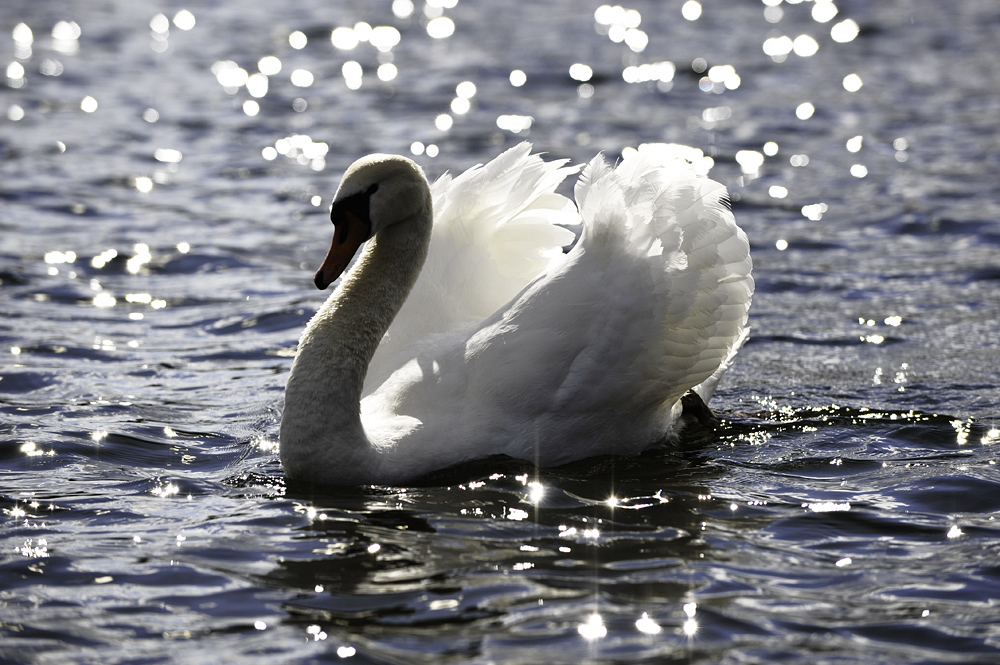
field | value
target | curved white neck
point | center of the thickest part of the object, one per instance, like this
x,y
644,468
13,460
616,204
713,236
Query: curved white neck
x,y
321,424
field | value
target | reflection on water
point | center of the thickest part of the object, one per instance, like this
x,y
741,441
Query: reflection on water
x,y
165,172
658,561
393,567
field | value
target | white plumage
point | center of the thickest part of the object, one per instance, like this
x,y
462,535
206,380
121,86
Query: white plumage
x,y
502,343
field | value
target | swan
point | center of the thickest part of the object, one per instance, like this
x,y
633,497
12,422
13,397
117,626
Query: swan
x,y
464,330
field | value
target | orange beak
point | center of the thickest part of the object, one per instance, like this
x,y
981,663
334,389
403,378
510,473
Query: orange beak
x,y
350,232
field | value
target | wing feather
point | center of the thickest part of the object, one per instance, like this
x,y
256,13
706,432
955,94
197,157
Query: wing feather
x,y
496,227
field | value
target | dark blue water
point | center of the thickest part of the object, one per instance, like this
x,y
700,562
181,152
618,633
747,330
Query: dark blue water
x,y
159,231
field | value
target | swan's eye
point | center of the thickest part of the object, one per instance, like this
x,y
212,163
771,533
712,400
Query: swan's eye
x,y
352,215
343,229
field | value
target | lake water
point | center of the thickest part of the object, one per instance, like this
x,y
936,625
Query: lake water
x,y
164,178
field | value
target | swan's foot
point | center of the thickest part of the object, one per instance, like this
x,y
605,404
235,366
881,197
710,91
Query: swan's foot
x,y
694,411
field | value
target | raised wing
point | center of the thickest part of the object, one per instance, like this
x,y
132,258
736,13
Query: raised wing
x,y
496,227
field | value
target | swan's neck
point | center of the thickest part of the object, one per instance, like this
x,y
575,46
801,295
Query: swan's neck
x,y
321,425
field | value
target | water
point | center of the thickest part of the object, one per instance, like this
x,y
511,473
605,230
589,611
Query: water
x,y
845,511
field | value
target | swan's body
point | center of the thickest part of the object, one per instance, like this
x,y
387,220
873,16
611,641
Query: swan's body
x,y
503,344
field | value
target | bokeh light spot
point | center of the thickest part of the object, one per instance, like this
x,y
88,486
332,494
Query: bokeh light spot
x,y
440,27
691,10
852,83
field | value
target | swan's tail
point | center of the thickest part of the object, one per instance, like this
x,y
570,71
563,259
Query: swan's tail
x,y
658,207
706,388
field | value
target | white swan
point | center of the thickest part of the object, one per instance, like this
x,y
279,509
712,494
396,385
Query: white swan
x,y
500,343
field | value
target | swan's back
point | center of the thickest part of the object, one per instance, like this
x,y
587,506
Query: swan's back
x,y
593,355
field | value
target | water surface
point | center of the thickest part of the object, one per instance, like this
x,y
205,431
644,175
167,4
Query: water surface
x,y
162,211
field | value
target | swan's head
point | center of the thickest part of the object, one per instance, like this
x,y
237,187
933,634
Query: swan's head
x,y
376,192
